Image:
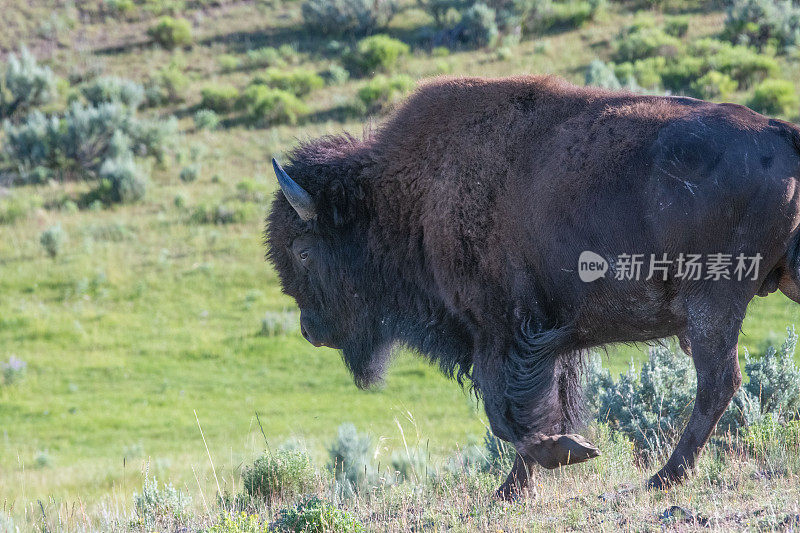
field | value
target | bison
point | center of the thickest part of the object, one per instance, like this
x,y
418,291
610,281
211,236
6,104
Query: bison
x,y
463,227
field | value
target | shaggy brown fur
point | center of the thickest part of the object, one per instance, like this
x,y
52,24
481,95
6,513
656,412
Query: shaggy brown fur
x,y
456,229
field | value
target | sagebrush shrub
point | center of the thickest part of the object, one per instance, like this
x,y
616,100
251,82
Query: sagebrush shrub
x,y
159,508
641,42
171,32
742,63
773,390
121,180
377,53
676,26
52,239
775,97
382,91
411,464
350,460
228,63
650,407
206,119
12,370
25,84
336,74
167,85
714,85
440,9
299,82
265,105
600,74
479,26
763,22
315,515
189,174
264,57
348,17
76,144
283,475
572,14
219,98
110,89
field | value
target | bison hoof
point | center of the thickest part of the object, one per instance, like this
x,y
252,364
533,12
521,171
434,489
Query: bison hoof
x,y
561,450
664,479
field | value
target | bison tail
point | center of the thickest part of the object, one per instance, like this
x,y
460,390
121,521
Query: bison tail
x,y
543,381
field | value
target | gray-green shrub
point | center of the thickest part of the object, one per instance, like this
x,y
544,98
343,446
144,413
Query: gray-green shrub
x,y
676,26
382,91
299,82
377,53
347,17
189,173
171,32
167,85
121,181
12,370
264,105
264,57
206,119
773,389
25,84
219,98
350,460
110,89
336,74
314,515
159,508
639,42
478,25
600,74
283,475
650,406
774,97
714,85
763,22
52,239
75,145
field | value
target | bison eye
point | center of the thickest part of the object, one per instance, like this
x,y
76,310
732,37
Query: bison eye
x,y
303,256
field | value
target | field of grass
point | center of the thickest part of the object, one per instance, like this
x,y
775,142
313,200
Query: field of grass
x,y
143,338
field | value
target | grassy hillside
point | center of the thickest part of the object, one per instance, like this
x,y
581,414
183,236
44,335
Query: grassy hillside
x,y
159,319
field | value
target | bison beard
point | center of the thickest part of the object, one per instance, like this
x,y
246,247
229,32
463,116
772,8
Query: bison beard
x,y
456,228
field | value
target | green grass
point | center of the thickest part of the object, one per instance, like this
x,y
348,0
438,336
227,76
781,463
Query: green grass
x,y
131,340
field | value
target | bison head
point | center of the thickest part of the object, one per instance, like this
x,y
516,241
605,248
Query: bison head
x,y
316,233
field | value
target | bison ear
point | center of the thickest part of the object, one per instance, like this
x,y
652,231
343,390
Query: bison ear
x,y
343,203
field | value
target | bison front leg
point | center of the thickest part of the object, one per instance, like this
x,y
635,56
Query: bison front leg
x,y
517,481
716,359
533,400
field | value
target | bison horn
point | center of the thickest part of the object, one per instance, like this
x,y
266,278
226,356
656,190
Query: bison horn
x,y
297,196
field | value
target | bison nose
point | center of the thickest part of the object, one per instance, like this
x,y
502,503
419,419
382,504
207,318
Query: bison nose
x,y
304,330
